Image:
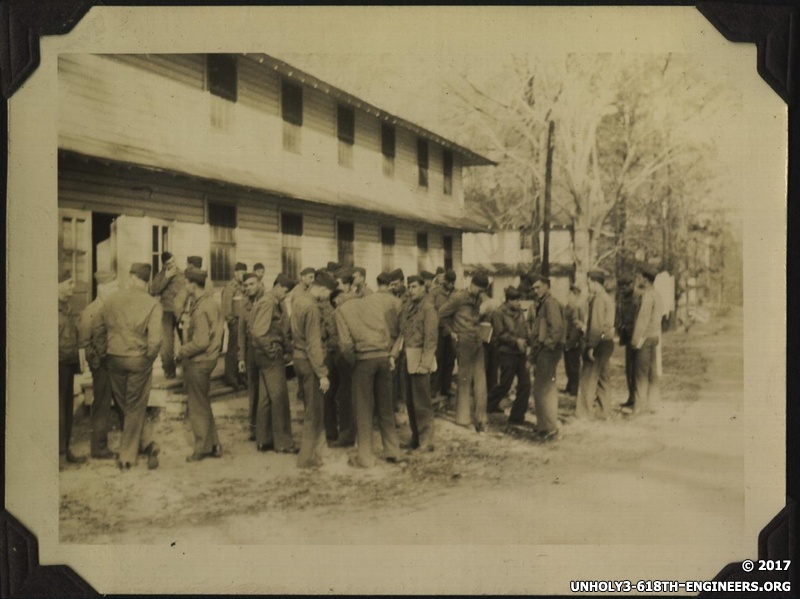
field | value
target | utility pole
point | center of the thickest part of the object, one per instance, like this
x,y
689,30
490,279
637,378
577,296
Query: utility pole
x,y
548,179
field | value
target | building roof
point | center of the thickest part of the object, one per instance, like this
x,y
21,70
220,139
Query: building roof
x,y
469,158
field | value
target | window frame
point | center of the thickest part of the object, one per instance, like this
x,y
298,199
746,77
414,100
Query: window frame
x,y
222,87
423,162
219,271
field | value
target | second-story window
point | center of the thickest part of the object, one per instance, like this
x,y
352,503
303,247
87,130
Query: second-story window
x,y
346,132
387,249
222,75
388,148
422,251
292,113
422,161
345,237
447,168
222,220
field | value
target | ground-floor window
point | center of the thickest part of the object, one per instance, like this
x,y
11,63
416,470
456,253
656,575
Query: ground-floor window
x,y
222,219
387,249
291,244
422,251
345,238
447,243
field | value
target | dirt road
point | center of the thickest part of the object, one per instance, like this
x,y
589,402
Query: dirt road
x,y
675,477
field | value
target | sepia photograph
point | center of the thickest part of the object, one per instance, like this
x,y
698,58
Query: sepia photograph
x,y
428,294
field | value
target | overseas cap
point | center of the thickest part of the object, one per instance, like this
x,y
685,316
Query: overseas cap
x,y
384,278
480,280
240,266
141,270
416,279
284,281
450,276
165,256
307,271
427,275
195,275
512,294
249,275
325,279
195,261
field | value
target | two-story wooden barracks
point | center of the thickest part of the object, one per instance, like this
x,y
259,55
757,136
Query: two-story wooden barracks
x,y
245,158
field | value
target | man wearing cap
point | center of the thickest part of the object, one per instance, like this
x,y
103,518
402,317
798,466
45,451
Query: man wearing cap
x,y
309,364
546,323
574,317
191,262
396,282
233,299
427,277
645,339
169,285
303,283
129,333
510,335
445,351
68,366
101,383
199,357
253,291
259,271
360,287
367,327
595,385
460,316
627,310
268,341
419,330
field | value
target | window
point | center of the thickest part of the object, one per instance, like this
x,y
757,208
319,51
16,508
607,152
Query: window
x,y
222,76
160,244
422,161
422,251
291,244
346,132
292,113
292,103
525,239
388,149
387,249
447,167
345,235
222,219
447,243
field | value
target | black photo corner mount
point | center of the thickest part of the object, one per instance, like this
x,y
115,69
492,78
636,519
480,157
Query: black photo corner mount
x,y
774,30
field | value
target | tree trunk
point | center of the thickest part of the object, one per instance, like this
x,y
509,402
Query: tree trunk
x,y
582,244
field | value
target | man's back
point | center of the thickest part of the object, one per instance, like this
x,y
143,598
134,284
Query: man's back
x,y
132,319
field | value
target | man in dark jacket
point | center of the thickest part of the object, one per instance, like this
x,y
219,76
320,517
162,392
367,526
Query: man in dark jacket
x,y
170,286
460,317
546,324
68,365
595,386
199,357
309,364
340,427
627,309
574,317
233,300
129,333
253,291
445,351
419,329
510,336
101,381
367,327
270,345
360,287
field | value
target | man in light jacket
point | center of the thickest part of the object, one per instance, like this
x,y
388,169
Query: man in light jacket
x,y
366,326
645,339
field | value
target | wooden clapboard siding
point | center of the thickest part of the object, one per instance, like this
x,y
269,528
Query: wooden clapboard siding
x,y
154,110
258,215
189,69
259,87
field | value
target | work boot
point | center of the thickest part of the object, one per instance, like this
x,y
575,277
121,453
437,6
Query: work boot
x,y
103,454
152,452
71,458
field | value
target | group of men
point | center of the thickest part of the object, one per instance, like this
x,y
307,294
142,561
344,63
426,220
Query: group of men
x,y
356,354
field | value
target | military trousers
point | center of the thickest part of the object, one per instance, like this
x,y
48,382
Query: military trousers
x,y
630,372
232,376
197,379
273,415
512,365
312,444
572,367
442,379
101,407
169,325
339,419
420,409
372,397
647,393
471,399
66,404
545,394
130,385
595,383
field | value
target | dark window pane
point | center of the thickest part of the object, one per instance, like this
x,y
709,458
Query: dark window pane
x,y
387,140
447,243
155,239
387,235
222,215
447,167
422,242
346,124
292,102
422,153
291,224
222,76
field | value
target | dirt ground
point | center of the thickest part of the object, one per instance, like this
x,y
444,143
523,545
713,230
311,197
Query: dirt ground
x,y
675,477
